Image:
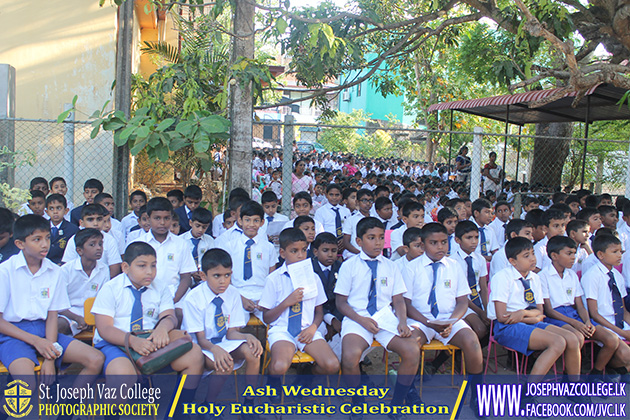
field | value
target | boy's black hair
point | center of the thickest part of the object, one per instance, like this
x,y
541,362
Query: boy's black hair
x,y
174,216
37,194
381,188
604,196
564,208
142,210
431,228
621,202
83,235
626,209
215,257
93,209
102,196
604,210
347,192
515,226
527,200
238,192
586,213
552,214
138,249
194,192
480,204
411,207
411,235
446,213
27,225
602,242
177,193
252,208
238,201
516,245
591,201
382,202
93,183
536,217
453,202
559,197
300,220
227,214
575,225
201,215
363,192
558,243
464,227
303,195
159,204
333,187
368,223
268,197
289,236
572,199
7,219
37,180
502,203
323,238
138,193
55,179
58,198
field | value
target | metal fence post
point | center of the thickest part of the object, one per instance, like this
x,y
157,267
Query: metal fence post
x,y
287,163
68,150
475,172
628,175
7,126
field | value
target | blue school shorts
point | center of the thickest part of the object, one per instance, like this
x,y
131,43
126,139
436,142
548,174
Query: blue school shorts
x,y
112,352
516,336
568,311
12,349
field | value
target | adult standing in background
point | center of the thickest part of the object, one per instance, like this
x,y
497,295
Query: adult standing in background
x,y
300,181
492,175
463,165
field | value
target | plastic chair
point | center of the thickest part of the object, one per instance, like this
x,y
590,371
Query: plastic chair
x,y
494,342
88,334
436,345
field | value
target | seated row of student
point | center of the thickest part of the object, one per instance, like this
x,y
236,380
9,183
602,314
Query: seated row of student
x,y
92,217
302,206
554,224
516,306
135,301
137,199
57,185
412,216
365,199
213,316
437,290
332,215
326,266
482,216
142,227
564,305
91,188
28,318
7,246
61,230
367,283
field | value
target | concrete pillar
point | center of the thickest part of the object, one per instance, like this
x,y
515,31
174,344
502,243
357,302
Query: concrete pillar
x,y
475,171
287,164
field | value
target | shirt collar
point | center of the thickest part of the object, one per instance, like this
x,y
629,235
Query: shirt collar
x,y
323,267
516,275
366,257
52,225
462,254
151,237
602,267
426,261
20,261
127,282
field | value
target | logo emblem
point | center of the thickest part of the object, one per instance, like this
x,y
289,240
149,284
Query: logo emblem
x,y
297,307
221,321
170,257
447,283
62,243
529,296
44,293
17,399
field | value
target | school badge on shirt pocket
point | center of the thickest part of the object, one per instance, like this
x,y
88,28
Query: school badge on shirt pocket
x,y
447,283
170,257
44,293
384,281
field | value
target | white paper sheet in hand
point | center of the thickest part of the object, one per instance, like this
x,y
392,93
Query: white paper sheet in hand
x,y
274,228
302,275
443,321
386,319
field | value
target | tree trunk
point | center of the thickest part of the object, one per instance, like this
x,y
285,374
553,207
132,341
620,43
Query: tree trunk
x,y
550,154
242,107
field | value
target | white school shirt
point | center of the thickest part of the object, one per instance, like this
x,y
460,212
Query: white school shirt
x,y
263,255
278,286
507,288
116,300
217,225
128,222
119,238
595,284
233,232
28,296
403,265
580,255
205,243
589,262
350,228
319,228
199,311
498,227
355,277
278,217
561,291
111,255
624,234
79,285
625,271
134,236
490,237
396,240
480,265
173,259
499,262
117,225
326,216
540,250
451,283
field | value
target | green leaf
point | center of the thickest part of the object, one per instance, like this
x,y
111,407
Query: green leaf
x,y
154,140
119,141
202,145
95,131
95,114
124,136
61,118
162,152
213,124
177,144
142,131
281,25
165,124
74,100
139,146
113,125
328,32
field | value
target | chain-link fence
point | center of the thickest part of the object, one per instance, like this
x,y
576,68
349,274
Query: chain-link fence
x,y
45,148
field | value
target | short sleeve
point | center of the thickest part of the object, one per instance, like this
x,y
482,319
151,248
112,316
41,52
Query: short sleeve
x,y
237,314
113,257
578,287
544,285
539,257
483,268
272,256
590,285
105,303
268,296
344,280
463,289
347,226
193,316
60,300
321,294
71,251
188,264
399,286
536,288
166,300
500,288
5,289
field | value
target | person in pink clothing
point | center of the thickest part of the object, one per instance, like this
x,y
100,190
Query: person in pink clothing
x,y
299,181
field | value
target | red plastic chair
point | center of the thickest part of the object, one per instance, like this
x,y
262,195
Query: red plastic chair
x,y
518,357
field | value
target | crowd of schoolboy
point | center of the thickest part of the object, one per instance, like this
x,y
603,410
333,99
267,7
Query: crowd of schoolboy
x,y
399,260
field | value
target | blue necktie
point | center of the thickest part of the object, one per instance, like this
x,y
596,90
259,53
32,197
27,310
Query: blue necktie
x,y
616,300
188,215
136,310
484,243
247,263
54,231
371,307
219,321
295,317
195,242
432,300
338,231
472,282
269,219
449,245
529,295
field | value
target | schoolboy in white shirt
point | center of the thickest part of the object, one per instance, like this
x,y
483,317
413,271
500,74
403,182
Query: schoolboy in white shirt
x,y
137,199
293,320
213,316
332,215
502,213
555,225
412,216
365,198
482,216
578,230
412,241
197,238
31,294
83,278
514,228
269,201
